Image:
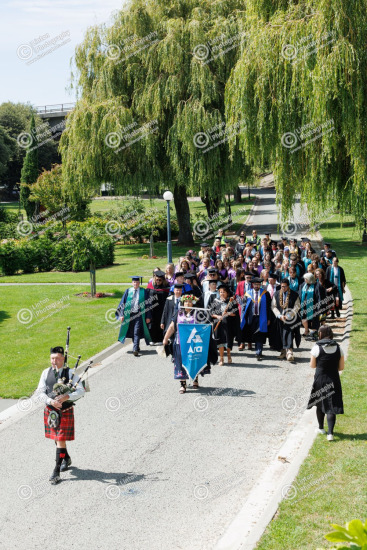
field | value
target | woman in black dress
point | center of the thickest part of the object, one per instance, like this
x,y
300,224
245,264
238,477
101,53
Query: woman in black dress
x,y
225,310
326,394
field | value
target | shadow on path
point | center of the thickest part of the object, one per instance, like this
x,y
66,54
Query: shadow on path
x,y
109,477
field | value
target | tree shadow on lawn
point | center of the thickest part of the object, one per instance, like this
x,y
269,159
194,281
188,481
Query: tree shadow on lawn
x,y
359,437
4,315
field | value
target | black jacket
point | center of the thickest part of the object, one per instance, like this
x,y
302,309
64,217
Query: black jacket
x,y
168,312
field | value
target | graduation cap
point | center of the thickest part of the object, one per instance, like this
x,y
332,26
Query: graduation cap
x,y
211,281
159,273
204,245
267,233
284,239
212,270
179,274
190,276
178,285
248,274
57,349
328,244
256,280
305,239
137,278
272,276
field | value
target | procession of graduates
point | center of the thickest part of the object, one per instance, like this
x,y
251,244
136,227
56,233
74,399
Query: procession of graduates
x,y
257,291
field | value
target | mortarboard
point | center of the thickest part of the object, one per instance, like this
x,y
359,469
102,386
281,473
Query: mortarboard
x,y
179,274
190,276
178,285
256,280
159,273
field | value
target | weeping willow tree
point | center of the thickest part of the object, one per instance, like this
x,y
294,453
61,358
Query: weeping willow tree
x,y
162,62
301,86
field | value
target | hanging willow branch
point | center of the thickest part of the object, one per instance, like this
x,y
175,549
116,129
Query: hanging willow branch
x,y
305,68
163,81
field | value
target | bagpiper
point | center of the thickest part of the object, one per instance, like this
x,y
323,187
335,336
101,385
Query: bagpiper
x,y
58,413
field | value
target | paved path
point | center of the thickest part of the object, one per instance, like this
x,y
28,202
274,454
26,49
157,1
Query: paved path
x,y
153,469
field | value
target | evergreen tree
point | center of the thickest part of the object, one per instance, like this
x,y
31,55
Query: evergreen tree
x,y
29,175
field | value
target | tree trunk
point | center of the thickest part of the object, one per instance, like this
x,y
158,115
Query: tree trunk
x,y
238,195
212,204
183,215
92,271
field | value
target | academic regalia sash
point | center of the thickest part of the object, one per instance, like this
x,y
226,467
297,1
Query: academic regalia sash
x,y
127,310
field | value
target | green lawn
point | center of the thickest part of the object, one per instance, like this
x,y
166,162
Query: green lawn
x,y
25,348
340,496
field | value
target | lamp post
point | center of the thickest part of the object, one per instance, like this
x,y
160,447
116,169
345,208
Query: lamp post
x,y
168,196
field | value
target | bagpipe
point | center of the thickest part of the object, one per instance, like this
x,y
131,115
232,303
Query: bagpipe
x,y
62,386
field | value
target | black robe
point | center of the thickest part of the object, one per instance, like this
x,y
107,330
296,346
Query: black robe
x,y
279,326
158,295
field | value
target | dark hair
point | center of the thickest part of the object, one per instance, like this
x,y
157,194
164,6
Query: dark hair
x,y
239,273
326,332
322,274
285,280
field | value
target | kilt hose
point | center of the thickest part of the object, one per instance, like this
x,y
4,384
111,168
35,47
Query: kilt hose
x,y
65,431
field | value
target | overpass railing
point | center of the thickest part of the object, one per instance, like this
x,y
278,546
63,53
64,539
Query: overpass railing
x,y
61,107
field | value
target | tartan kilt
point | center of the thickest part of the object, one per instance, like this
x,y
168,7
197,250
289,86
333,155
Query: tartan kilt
x,y
65,431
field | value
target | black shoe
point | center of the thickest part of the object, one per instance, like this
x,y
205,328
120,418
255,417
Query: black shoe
x,y
258,357
136,354
66,462
55,477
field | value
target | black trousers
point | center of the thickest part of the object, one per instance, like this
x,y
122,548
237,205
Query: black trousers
x,y
287,338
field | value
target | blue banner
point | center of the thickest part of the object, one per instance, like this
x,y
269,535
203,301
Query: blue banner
x,y
194,344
